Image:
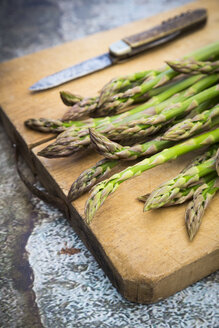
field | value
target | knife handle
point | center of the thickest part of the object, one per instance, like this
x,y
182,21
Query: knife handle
x,y
162,33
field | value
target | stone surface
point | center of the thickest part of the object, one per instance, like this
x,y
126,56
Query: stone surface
x,y
39,285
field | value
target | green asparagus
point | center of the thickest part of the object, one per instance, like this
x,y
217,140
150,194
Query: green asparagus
x,y
189,127
82,108
46,125
196,208
129,96
89,178
191,66
90,107
113,150
122,127
210,152
111,102
171,94
69,99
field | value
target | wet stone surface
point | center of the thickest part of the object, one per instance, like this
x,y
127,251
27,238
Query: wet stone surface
x,y
17,305
41,284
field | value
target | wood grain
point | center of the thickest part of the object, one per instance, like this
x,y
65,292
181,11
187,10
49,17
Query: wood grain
x,y
147,256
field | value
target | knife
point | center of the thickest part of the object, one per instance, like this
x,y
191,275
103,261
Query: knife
x,y
127,47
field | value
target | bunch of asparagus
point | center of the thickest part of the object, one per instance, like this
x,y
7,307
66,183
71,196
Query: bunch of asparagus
x,y
118,94
198,182
135,124
177,107
112,97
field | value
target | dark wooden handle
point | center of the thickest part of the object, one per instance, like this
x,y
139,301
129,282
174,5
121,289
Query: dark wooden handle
x,y
185,21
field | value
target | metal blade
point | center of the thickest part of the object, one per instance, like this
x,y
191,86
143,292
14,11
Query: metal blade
x,y
71,73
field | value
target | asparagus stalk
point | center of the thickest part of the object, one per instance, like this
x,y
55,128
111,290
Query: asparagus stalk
x,y
191,66
102,190
69,99
184,107
210,152
89,178
113,150
46,125
181,197
168,190
196,208
82,108
189,127
184,194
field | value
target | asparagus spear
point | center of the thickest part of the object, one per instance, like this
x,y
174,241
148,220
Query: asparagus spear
x,y
191,66
82,108
102,190
196,208
168,190
189,127
89,178
184,107
210,152
69,99
181,197
184,194
113,150
46,125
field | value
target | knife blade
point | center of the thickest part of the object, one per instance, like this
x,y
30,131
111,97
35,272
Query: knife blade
x,y
127,47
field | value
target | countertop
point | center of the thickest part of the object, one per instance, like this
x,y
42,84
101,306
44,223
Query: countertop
x,y
40,285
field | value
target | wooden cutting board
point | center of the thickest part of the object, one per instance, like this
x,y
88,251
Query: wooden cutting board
x,y
147,256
